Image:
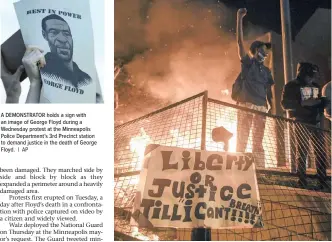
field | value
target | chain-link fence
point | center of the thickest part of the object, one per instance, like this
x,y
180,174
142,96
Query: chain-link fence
x,y
293,208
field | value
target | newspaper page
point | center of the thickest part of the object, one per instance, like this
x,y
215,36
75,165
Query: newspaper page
x,y
63,30
56,160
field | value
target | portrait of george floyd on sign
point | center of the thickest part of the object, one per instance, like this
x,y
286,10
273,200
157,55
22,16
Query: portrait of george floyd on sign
x,y
58,55
188,188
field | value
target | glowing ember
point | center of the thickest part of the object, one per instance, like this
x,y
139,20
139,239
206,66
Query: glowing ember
x,y
138,145
225,92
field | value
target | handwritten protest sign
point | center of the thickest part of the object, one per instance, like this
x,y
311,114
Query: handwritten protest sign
x,y
187,188
63,30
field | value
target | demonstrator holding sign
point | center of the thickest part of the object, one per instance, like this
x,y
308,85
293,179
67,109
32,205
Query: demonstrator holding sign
x,y
55,77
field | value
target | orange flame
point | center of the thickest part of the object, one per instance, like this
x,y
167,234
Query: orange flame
x,y
138,145
185,139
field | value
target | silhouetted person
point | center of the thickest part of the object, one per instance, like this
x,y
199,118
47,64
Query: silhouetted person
x,y
302,98
254,90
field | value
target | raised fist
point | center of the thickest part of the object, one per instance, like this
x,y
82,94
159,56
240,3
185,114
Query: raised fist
x,y
242,12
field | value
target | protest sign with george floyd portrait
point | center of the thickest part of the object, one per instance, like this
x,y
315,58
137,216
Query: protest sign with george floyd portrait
x,y
63,30
187,188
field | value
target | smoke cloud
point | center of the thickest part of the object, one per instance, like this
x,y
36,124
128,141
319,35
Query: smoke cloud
x,y
174,49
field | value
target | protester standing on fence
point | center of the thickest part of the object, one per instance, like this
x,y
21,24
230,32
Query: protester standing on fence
x,y
327,94
302,98
252,89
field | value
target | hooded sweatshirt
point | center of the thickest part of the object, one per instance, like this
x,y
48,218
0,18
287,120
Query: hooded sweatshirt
x,y
296,91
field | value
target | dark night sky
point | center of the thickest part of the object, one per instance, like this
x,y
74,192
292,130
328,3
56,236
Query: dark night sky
x,y
266,13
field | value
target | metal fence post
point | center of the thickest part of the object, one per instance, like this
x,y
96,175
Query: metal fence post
x,y
204,113
202,234
288,64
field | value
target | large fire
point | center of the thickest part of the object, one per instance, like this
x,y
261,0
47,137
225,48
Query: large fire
x,y
185,139
225,117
